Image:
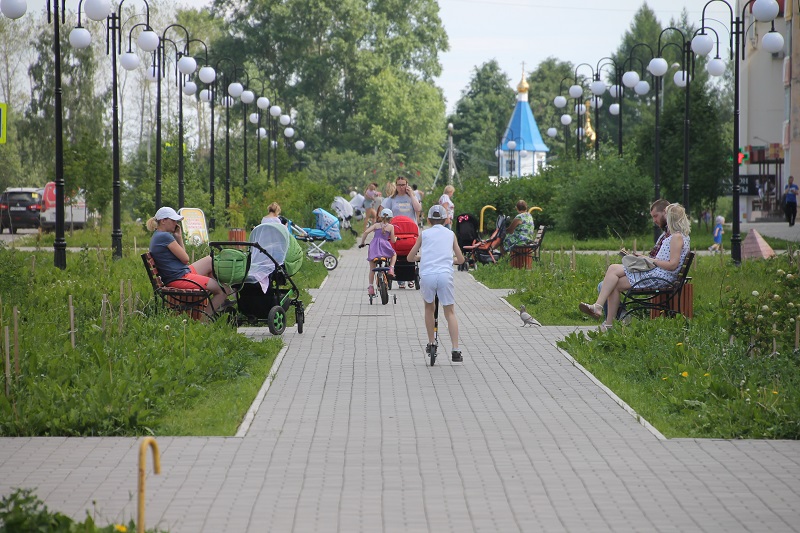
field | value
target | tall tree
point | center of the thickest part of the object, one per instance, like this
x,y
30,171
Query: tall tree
x,y
480,118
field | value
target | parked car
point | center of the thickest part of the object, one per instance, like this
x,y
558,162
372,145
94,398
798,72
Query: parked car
x,y
19,208
74,209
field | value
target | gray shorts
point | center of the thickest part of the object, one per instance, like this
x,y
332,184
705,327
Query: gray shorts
x,y
441,284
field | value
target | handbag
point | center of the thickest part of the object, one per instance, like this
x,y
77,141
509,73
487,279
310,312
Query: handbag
x,y
638,263
230,266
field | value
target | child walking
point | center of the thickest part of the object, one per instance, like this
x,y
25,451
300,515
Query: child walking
x,y
434,250
380,246
718,231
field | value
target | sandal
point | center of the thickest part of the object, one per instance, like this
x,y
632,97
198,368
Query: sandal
x,y
410,284
591,309
605,327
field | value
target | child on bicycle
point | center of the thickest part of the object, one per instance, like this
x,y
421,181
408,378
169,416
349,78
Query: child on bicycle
x,y
380,246
434,250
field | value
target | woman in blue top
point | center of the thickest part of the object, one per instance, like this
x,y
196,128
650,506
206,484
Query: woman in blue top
x,y
172,261
668,263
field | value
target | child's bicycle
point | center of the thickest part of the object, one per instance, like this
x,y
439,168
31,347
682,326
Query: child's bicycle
x,y
382,280
431,349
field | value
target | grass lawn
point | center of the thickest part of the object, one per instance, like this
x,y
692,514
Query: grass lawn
x,y
714,376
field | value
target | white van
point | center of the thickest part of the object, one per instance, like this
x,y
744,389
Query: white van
x,y
75,211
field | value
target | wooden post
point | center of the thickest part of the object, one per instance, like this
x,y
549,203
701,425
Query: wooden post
x,y
135,249
8,365
103,311
71,322
573,263
552,258
16,341
797,335
130,296
608,261
121,304
634,245
192,256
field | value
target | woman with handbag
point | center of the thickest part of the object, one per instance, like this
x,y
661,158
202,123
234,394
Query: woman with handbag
x,y
662,270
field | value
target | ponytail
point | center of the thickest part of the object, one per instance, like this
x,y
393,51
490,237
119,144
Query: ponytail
x,y
152,224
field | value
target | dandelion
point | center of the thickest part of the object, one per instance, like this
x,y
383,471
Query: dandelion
x,y
781,272
166,328
665,378
759,317
679,344
774,313
777,297
774,392
765,308
120,528
791,321
747,400
755,293
706,375
685,374
184,321
789,276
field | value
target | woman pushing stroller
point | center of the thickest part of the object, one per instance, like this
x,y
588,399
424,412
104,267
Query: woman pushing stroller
x,y
380,246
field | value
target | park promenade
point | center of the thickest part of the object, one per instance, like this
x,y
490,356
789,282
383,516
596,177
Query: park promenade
x,y
357,433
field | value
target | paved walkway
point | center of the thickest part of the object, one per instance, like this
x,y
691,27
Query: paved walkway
x,y
357,433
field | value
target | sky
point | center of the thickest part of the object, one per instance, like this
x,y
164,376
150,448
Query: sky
x,y
530,31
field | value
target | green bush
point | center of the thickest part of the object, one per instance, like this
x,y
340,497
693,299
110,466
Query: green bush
x,y
602,199
22,510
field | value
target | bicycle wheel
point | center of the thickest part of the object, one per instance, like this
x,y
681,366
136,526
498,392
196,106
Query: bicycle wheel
x,y
383,288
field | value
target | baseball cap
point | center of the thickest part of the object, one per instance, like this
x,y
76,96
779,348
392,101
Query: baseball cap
x,y
168,212
437,212
386,212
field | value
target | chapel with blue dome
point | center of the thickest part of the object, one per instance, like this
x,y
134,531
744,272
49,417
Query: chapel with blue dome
x,y
522,151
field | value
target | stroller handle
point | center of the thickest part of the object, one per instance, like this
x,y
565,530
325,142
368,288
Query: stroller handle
x,y
220,244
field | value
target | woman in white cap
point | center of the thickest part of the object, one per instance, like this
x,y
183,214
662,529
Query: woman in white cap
x,y
172,261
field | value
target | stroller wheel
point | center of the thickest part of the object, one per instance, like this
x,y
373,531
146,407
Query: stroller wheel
x,y
330,262
276,320
299,317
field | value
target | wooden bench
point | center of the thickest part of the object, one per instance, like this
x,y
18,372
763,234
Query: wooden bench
x,y
668,300
191,301
522,255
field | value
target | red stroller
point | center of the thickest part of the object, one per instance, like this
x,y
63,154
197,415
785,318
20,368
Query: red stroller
x,y
407,232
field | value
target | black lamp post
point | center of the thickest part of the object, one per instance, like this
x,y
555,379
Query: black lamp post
x,y
228,101
616,92
274,112
566,119
702,44
208,75
95,10
576,92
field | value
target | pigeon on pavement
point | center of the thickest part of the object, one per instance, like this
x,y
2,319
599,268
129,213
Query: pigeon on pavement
x,y
526,318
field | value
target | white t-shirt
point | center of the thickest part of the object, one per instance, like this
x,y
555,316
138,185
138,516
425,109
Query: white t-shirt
x,y
436,252
448,204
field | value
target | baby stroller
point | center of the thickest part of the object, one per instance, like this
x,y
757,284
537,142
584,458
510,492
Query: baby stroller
x,y
267,291
488,250
327,230
357,202
345,212
467,235
407,232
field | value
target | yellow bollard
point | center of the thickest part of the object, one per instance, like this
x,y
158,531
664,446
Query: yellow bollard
x,y
151,442
493,208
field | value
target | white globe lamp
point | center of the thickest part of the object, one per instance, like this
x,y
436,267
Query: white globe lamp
x,y
552,132
288,133
559,101
285,120
13,9
235,89
187,65
772,42
97,9
207,75
716,67
274,111
630,79
576,91
189,88
658,66
765,10
262,102
642,88
205,95
598,87
129,61
299,145
147,40
566,120
614,109
702,44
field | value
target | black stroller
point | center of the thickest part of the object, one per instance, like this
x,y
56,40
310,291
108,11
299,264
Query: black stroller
x,y
268,291
466,234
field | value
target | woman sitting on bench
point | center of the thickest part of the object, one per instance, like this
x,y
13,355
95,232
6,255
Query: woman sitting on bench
x,y
172,261
522,230
668,263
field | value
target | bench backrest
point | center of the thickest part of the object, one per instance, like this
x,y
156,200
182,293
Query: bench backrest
x,y
152,271
683,275
539,235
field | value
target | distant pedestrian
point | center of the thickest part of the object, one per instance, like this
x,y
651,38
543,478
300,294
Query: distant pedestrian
x,y
718,231
790,200
446,201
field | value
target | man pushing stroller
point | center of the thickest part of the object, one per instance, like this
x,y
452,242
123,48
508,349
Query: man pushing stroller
x,y
434,250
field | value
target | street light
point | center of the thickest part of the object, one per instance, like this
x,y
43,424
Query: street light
x,y
616,91
95,10
81,38
702,44
274,112
566,119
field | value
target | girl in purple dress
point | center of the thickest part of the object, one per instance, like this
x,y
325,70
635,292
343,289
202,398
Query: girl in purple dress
x,y
380,246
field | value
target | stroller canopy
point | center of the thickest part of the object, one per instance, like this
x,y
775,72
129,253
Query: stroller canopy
x,y
278,243
342,208
327,224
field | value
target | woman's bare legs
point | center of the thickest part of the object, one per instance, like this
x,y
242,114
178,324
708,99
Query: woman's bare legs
x,y
204,267
613,299
614,275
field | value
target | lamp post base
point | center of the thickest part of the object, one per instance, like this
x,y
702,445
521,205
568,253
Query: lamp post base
x,y
60,254
116,243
